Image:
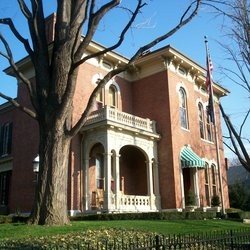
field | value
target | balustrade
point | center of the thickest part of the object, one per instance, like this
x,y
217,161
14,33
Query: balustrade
x,y
112,114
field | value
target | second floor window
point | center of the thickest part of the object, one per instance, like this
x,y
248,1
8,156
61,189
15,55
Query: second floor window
x,y
100,99
5,139
112,96
201,120
183,108
209,126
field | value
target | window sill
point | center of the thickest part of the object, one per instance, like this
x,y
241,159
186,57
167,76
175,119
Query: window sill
x,y
207,141
185,129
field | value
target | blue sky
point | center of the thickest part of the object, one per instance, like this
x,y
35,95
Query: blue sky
x,y
157,17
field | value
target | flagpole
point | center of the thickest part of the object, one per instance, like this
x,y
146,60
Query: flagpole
x,y
215,131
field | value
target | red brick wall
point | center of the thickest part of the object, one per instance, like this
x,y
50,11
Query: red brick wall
x,y
156,97
151,100
24,150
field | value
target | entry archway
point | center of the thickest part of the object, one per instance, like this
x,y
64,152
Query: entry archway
x,y
133,171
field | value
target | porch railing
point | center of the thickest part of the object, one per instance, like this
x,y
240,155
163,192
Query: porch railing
x,y
112,114
135,203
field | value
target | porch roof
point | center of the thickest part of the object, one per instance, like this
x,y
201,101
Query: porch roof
x,y
190,159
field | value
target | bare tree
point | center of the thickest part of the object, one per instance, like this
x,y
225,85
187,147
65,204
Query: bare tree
x,y
238,51
55,81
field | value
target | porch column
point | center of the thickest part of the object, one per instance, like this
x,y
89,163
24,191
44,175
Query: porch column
x,y
86,201
196,188
107,181
117,181
156,183
150,184
182,189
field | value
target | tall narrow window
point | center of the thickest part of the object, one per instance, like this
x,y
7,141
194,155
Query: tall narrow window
x,y
5,139
213,177
209,128
99,172
207,192
100,99
183,108
112,96
201,120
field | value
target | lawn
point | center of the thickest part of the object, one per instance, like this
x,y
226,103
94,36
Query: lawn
x,y
18,231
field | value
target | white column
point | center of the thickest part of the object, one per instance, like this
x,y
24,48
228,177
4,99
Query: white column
x,y
150,178
117,181
196,188
107,181
182,189
156,183
150,184
86,184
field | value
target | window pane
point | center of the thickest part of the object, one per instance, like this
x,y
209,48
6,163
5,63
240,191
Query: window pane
x,y
99,100
183,108
112,96
201,120
5,139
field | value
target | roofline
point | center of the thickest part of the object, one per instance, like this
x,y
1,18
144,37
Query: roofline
x,y
25,60
146,57
182,57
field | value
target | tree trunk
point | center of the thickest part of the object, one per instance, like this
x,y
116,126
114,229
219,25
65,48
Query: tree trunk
x,y
50,205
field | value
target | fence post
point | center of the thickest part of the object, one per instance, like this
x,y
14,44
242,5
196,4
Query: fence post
x,y
231,236
157,242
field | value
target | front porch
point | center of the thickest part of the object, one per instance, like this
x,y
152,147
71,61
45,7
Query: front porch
x,y
120,167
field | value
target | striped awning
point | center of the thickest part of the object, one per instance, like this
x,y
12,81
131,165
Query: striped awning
x,y
189,159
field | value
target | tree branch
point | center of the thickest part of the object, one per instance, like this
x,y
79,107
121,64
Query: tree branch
x,y
25,10
28,111
183,21
18,74
94,20
75,129
241,150
119,42
25,42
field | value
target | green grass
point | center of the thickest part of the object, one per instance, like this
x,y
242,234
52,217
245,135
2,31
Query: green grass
x,y
19,231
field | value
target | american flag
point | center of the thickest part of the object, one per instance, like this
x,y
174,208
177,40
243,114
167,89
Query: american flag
x,y
210,68
209,84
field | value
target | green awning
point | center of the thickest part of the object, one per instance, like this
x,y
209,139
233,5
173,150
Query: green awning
x,y
189,159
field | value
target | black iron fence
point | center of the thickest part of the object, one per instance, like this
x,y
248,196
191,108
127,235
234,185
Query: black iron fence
x,y
227,240
233,239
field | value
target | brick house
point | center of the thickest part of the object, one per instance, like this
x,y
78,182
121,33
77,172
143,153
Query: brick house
x,y
146,145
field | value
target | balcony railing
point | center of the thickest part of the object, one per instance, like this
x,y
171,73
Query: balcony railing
x,y
111,114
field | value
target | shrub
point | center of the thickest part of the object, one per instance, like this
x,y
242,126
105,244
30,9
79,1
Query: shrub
x,y
215,201
190,199
166,215
5,219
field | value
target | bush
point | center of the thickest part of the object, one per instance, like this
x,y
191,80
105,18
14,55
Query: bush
x,y
239,196
5,219
190,199
197,215
215,201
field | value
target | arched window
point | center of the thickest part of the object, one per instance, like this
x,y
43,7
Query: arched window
x,y
113,96
99,171
201,120
100,99
183,108
209,128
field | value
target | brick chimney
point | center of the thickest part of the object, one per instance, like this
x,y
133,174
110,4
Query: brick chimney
x,y
50,22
